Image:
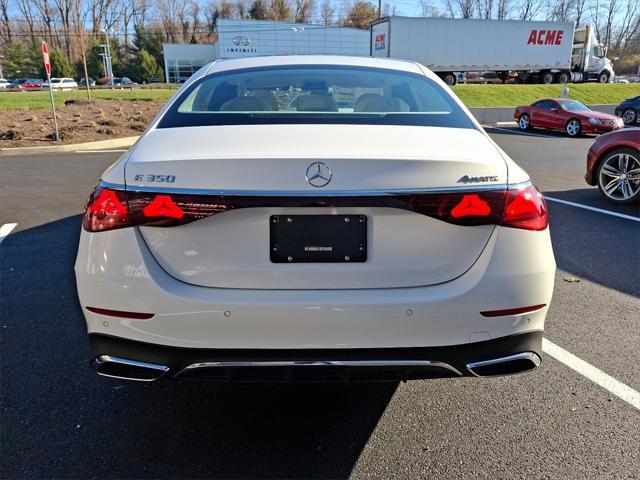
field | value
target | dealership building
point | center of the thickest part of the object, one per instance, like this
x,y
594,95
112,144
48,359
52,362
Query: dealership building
x,y
250,38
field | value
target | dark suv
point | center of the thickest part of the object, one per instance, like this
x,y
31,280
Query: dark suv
x,y
629,110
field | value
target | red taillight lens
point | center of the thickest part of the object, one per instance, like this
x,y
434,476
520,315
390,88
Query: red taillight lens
x,y
106,209
162,206
162,210
471,206
478,208
526,209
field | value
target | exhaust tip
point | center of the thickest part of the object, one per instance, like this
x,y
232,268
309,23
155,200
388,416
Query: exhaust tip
x,y
126,369
518,363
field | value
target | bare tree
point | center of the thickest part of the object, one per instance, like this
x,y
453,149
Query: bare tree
x,y
629,28
133,11
610,15
226,9
461,8
327,11
303,10
580,6
102,14
280,10
242,7
63,12
503,9
5,22
529,9
27,10
427,9
485,9
560,10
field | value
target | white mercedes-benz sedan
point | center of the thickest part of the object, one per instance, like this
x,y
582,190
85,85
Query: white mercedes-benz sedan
x,y
314,218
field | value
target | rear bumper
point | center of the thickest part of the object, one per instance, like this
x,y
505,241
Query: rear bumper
x,y
121,358
115,270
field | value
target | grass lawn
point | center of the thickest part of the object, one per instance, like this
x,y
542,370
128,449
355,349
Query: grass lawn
x,y
514,95
40,100
471,95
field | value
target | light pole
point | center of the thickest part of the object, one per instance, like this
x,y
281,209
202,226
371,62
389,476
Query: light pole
x,y
107,47
1,58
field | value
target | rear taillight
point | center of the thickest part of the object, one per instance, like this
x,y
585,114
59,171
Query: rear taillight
x,y
522,208
525,208
477,208
106,209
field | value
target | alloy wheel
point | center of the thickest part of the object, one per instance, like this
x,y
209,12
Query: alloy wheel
x,y
523,122
573,128
629,117
619,176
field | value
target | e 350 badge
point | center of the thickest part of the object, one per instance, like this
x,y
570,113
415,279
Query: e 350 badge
x,y
149,177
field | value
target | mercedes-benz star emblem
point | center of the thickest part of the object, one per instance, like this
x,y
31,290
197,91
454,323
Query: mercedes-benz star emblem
x,y
318,174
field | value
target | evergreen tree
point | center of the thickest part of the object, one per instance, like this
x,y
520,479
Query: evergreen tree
x,y
61,66
144,66
150,40
20,61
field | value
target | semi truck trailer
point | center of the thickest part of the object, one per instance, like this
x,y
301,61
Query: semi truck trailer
x,y
528,51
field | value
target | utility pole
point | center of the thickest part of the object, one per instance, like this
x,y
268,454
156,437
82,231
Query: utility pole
x,y
379,8
1,58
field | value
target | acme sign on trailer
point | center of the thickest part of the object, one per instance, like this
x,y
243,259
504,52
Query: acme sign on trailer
x,y
545,37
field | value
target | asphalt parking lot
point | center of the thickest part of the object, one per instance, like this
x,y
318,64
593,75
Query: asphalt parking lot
x,y
60,420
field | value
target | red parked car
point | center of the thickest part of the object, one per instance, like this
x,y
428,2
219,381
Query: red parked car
x,y
564,114
25,84
613,164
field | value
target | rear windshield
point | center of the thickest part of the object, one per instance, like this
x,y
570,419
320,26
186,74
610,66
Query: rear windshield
x,y
317,94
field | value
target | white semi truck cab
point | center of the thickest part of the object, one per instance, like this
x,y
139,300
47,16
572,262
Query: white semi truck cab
x,y
588,58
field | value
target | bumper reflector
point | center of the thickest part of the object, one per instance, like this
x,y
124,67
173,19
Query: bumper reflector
x,y
512,311
119,313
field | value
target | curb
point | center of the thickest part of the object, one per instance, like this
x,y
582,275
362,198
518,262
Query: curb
x,y
99,145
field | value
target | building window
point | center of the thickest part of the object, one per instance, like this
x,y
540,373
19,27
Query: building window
x,y
180,70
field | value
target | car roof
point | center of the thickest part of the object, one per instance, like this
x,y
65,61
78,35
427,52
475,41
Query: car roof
x,y
343,60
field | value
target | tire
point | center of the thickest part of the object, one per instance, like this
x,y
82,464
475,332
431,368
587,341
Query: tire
x,y
629,116
546,78
573,128
563,77
450,79
524,122
603,77
613,164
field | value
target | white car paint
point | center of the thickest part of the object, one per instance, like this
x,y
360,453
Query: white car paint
x,y
62,84
210,283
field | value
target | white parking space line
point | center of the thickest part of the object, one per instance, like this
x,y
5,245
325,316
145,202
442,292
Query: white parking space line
x,y
619,389
520,132
593,209
6,230
100,151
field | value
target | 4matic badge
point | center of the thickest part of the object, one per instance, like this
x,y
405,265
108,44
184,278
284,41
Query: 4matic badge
x,y
468,179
